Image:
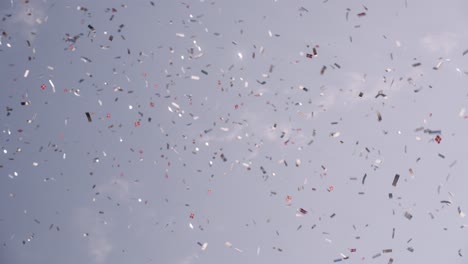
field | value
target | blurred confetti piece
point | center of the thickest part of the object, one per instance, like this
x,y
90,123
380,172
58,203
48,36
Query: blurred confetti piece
x,y
238,250
395,180
408,215
88,116
52,85
298,162
204,246
462,214
335,134
462,112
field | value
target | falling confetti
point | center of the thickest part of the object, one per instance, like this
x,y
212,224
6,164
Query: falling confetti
x,y
196,123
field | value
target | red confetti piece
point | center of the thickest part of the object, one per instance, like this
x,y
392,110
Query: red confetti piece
x,y
108,115
353,250
330,188
137,123
438,139
43,86
288,198
152,104
192,215
236,107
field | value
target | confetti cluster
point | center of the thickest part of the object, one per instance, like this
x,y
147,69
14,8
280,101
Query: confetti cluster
x,y
235,131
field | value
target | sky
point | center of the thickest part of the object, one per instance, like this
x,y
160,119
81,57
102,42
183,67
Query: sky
x,y
265,131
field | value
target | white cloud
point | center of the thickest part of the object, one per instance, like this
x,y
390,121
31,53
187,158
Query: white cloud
x,y
99,248
117,188
99,245
442,43
26,17
189,259
370,86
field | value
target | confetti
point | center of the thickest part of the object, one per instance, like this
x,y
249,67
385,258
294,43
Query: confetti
x,y
218,124
395,180
88,116
408,215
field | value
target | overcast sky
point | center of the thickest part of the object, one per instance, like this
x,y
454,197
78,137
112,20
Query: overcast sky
x,y
266,131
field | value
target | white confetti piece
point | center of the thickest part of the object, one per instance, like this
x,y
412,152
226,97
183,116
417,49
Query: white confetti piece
x,y
176,105
204,246
52,85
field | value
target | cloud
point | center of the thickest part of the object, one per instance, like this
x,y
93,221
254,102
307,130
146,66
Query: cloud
x,y
99,248
117,188
99,242
441,43
225,136
26,17
99,245
371,85
188,259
